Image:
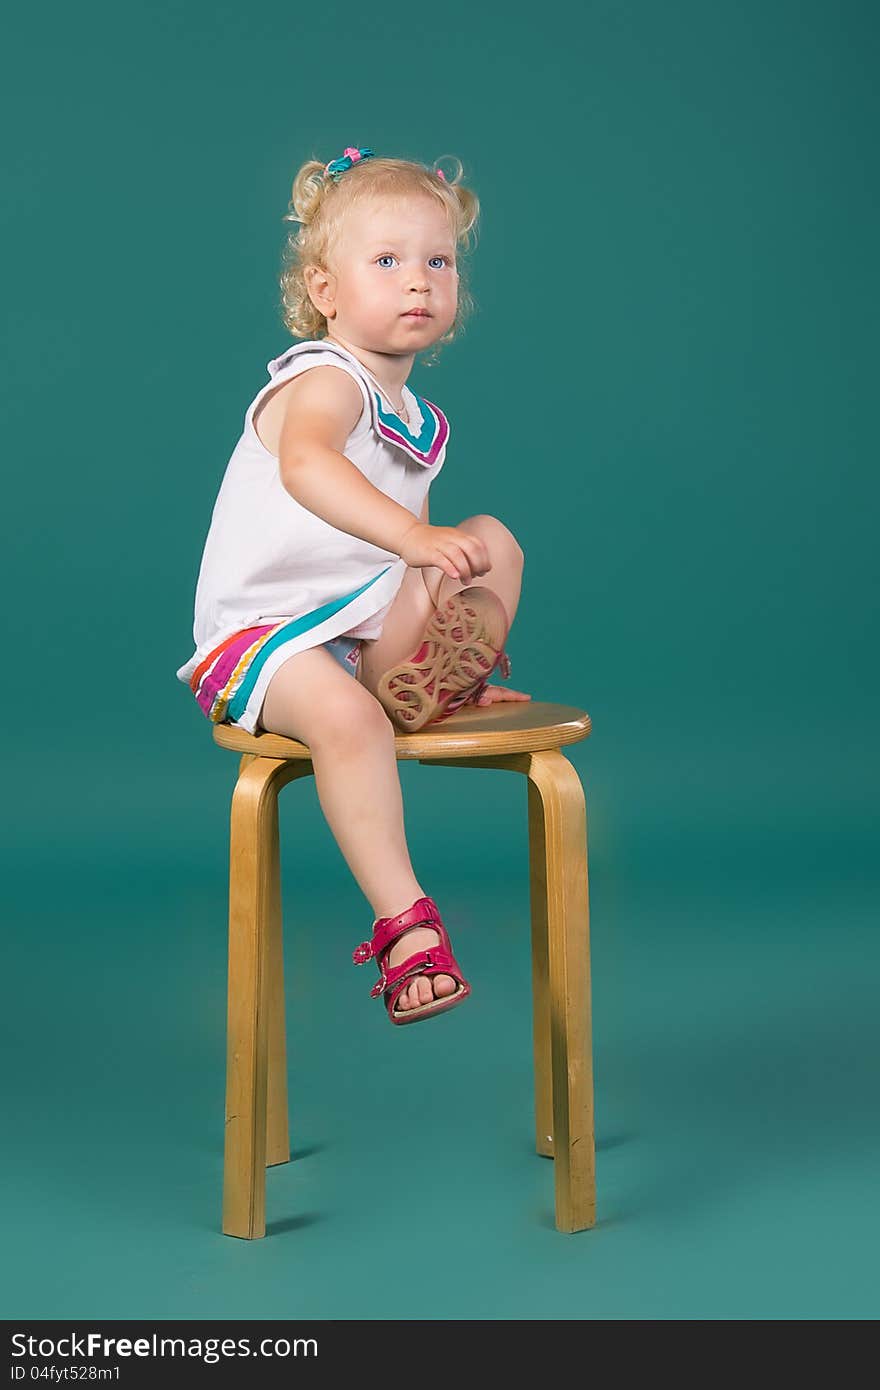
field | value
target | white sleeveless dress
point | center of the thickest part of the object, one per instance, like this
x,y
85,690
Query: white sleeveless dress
x,y
276,579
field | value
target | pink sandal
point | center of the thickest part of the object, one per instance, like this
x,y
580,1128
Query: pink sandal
x,y
462,646
435,960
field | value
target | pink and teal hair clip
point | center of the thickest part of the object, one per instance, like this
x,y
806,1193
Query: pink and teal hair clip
x,y
351,155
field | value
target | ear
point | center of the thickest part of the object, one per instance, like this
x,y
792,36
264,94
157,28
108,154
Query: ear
x,y
321,287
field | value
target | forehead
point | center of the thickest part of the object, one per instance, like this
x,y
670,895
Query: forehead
x,y
404,218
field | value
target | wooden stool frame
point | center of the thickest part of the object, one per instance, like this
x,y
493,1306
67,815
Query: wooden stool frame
x,y
522,738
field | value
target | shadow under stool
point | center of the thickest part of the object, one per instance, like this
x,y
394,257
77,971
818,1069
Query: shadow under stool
x,y
519,737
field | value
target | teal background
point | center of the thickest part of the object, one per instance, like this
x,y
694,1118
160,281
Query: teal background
x,y
668,393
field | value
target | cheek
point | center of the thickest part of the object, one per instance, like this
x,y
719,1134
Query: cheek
x,y
373,290
364,298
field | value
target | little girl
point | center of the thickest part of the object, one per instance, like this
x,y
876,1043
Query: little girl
x,y
320,564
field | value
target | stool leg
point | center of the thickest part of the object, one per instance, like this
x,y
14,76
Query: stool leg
x,y
560,899
253,901
277,1130
277,1125
540,986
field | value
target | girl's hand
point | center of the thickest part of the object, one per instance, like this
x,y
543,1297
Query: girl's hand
x,y
452,550
496,694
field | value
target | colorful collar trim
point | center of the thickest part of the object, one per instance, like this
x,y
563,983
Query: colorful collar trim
x,y
426,446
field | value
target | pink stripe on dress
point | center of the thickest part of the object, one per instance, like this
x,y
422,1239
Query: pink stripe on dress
x,y
215,679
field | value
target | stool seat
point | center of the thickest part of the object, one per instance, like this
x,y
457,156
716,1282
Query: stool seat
x,y
520,736
513,726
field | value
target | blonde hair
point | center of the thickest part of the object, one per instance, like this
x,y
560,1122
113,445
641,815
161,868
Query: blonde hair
x,y
319,204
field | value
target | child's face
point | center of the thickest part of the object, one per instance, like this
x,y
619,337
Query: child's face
x,y
391,257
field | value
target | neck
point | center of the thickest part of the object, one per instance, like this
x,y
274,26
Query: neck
x,y
390,369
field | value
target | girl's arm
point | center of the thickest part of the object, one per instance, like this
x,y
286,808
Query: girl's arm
x,y
322,408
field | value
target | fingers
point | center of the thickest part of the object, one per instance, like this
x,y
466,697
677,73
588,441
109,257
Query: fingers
x,y
476,552
455,562
495,693
461,555
447,558
462,564
469,555
442,563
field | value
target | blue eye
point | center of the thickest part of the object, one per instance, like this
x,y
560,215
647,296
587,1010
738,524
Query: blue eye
x,y
386,257
439,258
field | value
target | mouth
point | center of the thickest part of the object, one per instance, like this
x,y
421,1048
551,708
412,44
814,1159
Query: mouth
x,y
416,314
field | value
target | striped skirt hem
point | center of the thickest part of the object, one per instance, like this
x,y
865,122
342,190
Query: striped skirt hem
x,y
230,683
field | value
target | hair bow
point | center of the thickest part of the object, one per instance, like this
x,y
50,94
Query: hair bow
x,y
350,155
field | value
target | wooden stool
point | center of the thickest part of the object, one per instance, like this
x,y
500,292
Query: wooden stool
x,y
521,737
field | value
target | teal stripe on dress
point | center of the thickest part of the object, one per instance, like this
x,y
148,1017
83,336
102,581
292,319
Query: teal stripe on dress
x,y
425,436
238,702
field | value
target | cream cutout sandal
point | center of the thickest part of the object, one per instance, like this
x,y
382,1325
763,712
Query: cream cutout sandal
x,y
462,646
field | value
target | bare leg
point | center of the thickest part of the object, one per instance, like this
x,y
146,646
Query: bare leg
x,y
351,741
423,590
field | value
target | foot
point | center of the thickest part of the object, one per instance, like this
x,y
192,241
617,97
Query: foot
x,y
420,989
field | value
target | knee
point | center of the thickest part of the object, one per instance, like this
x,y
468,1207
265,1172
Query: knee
x,y
497,536
352,718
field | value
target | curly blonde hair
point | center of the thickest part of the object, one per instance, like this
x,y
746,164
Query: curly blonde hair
x,y
319,204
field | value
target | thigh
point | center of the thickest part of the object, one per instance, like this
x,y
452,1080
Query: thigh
x,y
404,623
312,696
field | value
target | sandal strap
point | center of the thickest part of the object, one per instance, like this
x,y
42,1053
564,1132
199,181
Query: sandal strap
x,y
434,960
424,912
502,665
